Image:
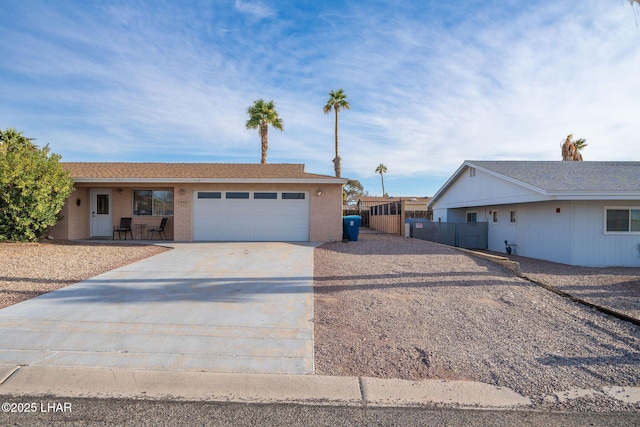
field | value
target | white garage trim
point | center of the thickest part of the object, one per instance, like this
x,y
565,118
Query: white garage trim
x,y
264,215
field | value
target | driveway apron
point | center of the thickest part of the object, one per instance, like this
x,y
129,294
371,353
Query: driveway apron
x,y
219,307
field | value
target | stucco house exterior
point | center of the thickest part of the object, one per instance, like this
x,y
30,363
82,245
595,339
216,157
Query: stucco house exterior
x,y
203,202
577,213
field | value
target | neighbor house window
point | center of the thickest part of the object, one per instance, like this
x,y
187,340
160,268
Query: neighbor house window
x,y
472,172
512,217
495,216
622,219
153,202
472,216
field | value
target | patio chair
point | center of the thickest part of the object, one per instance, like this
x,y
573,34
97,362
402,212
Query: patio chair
x,y
125,225
159,229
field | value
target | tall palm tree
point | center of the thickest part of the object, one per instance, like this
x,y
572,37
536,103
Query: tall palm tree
x,y
337,101
382,169
571,149
261,115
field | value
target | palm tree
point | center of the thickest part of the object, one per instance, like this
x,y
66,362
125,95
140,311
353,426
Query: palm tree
x,y
382,169
571,149
261,115
337,101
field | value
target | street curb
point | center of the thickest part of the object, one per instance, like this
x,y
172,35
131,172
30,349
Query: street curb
x,y
253,388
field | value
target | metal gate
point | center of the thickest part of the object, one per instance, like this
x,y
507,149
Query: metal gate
x,y
378,217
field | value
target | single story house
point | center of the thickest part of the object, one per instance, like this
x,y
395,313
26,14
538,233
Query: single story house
x,y
203,202
577,213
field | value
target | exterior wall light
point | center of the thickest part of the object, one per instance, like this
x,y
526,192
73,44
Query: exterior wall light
x,y
319,193
119,190
182,191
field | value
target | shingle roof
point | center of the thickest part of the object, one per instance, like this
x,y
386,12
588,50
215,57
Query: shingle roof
x,y
103,171
568,180
561,176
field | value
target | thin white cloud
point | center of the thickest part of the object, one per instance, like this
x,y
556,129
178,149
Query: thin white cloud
x,y
255,9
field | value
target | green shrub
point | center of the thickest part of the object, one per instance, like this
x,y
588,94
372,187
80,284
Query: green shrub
x,y
33,188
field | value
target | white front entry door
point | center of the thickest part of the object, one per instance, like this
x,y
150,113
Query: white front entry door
x,y
101,223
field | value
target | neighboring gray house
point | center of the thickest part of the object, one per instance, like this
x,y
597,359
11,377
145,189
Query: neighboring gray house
x,y
577,213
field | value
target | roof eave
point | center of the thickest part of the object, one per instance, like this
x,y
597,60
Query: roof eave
x,y
210,180
594,195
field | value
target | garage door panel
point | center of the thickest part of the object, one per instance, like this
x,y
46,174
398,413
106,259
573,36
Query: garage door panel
x,y
251,219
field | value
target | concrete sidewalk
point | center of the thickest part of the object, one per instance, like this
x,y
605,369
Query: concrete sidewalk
x,y
255,388
222,307
59,382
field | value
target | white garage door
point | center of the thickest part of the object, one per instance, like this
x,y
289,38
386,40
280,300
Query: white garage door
x,y
251,216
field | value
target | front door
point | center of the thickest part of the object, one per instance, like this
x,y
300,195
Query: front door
x,y
101,223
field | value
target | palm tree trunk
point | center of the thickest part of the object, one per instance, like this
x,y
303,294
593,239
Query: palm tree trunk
x,y
336,162
264,138
382,178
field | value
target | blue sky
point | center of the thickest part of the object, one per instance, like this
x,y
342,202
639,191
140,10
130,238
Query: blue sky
x,y
430,83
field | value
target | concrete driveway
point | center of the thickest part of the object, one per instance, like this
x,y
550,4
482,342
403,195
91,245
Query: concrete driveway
x,y
220,307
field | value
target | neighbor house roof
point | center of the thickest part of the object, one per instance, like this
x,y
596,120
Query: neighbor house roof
x,y
558,178
94,172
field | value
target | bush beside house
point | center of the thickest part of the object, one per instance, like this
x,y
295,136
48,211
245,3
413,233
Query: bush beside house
x,y
33,188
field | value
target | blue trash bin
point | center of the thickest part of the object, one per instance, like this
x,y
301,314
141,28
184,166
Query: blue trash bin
x,y
351,227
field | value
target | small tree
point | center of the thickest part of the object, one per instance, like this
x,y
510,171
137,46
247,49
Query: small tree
x,y
33,188
352,191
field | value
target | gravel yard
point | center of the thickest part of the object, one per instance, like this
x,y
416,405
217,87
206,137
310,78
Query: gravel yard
x,y
31,269
614,288
392,307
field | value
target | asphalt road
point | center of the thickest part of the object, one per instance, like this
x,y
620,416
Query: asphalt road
x,y
55,411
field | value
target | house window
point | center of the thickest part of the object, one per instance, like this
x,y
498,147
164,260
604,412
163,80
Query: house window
x,y
622,220
288,196
237,195
209,195
269,196
472,216
153,202
512,217
472,172
495,216
102,204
